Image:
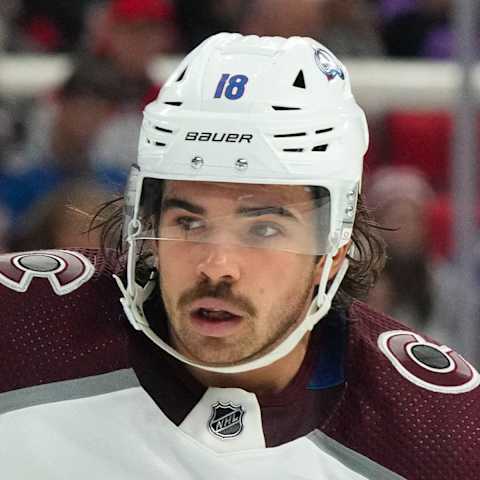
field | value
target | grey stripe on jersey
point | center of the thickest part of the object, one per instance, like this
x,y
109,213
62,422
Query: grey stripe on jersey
x,y
350,458
68,390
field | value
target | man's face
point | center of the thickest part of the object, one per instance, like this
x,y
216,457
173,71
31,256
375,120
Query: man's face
x,y
230,292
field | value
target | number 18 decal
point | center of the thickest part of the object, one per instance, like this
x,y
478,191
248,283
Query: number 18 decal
x,y
235,86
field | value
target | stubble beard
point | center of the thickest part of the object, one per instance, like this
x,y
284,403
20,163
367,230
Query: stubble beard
x,y
241,347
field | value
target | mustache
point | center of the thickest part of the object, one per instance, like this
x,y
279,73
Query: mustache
x,y
222,291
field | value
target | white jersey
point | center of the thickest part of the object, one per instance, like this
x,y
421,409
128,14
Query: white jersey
x,y
122,434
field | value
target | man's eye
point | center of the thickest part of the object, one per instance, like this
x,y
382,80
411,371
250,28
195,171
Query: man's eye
x,y
189,223
265,230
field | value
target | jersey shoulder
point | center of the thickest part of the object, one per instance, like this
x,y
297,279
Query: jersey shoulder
x,y
411,404
61,316
410,357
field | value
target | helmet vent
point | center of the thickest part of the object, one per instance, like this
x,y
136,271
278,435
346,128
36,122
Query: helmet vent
x,y
299,80
160,129
298,150
158,144
279,107
180,77
174,104
320,148
324,130
157,135
286,135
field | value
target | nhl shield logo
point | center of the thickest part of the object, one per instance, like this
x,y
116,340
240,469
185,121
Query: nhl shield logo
x,y
226,420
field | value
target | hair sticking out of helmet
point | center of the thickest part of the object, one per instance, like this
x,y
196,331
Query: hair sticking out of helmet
x,y
248,110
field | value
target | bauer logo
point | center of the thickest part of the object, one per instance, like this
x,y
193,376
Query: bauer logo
x,y
226,420
218,137
328,64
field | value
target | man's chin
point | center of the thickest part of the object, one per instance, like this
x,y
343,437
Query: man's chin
x,y
217,358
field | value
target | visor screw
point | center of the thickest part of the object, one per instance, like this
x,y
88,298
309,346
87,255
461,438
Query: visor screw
x,y
196,162
349,212
241,164
351,196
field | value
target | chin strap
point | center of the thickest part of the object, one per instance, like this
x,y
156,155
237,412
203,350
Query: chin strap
x,y
133,297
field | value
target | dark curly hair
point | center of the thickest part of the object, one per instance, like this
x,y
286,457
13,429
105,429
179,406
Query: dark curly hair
x,y
366,262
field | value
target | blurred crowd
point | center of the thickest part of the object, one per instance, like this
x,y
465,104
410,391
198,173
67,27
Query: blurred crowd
x,y
399,28
66,152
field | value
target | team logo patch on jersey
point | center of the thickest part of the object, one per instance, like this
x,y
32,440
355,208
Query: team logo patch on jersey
x,y
64,269
226,420
328,64
434,367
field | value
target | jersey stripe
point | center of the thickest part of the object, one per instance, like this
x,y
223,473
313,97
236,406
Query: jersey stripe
x,y
355,461
68,390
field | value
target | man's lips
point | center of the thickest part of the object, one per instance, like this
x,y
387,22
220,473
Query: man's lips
x,y
215,305
212,317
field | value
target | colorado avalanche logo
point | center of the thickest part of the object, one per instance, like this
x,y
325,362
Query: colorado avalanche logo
x,y
434,367
328,64
226,420
64,269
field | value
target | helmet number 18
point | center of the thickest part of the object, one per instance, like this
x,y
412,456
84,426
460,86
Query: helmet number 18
x,y
235,86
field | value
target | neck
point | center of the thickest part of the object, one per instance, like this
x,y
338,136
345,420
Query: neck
x,y
262,381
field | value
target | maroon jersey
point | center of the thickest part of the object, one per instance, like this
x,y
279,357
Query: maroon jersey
x,y
378,400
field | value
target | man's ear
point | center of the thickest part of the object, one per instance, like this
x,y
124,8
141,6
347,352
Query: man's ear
x,y
337,261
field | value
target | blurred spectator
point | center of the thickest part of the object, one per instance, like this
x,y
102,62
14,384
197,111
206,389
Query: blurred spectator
x,y
85,102
131,33
421,31
49,25
128,35
8,11
408,287
391,8
347,26
61,219
399,197
351,28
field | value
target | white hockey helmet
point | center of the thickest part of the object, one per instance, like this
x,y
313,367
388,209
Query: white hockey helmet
x,y
258,110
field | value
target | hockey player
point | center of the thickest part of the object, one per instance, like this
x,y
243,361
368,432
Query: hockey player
x,y
246,245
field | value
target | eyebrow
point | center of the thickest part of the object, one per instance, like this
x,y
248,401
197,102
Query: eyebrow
x,y
270,210
172,203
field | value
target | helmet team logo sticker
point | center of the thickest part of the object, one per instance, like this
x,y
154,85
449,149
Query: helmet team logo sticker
x,y
328,64
64,269
437,368
226,420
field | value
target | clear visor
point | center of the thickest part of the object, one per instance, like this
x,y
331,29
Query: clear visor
x,y
290,218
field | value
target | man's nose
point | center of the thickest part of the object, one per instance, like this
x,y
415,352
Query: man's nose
x,y
219,263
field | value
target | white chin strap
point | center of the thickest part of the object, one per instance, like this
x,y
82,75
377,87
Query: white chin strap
x,y
134,296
